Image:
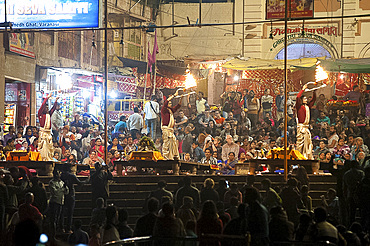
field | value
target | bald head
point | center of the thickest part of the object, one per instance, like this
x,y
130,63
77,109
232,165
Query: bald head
x,y
29,198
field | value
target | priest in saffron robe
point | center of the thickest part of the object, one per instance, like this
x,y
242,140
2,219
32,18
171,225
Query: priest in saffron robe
x,y
45,146
304,142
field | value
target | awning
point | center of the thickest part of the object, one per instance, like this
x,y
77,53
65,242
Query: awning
x,y
347,65
141,65
263,64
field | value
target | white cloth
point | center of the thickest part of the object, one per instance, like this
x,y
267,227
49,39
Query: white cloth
x,y
170,149
135,121
201,105
304,142
56,120
46,147
149,112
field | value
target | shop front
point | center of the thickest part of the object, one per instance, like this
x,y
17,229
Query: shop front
x,y
17,104
79,91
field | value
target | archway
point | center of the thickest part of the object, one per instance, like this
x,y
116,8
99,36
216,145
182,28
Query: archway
x,y
304,50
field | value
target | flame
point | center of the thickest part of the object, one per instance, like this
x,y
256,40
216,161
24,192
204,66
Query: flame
x,y
320,74
190,81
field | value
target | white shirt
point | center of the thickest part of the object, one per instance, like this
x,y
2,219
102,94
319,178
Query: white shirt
x,y
201,105
149,112
135,121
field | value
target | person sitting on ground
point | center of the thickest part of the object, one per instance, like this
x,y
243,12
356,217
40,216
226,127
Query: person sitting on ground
x,y
92,159
78,236
197,152
208,159
124,229
229,167
115,145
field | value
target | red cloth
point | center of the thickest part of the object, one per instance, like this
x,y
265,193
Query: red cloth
x,y
165,112
28,211
42,115
301,109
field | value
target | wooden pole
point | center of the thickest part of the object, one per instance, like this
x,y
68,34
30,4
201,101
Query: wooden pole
x,y
285,90
106,80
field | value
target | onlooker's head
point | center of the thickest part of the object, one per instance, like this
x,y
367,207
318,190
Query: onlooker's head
x,y
26,233
153,205
292,182
111,214
162,184
136,110
29,198
100,202
266,183
187,180
229,139
122,215
77,224
209,210
320,214
187,201
168,209
251,195
209,183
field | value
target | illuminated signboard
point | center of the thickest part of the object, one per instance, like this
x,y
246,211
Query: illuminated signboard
x,y
51,14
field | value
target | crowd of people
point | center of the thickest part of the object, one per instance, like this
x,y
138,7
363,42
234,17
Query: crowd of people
x,y
265,216
241,128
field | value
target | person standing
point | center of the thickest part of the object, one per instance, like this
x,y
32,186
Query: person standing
x,y
279,100
99,183
201,103
58,190
135,123
69,205
56,122
304,142
121,124
253,108
45,145
151,110
170,148
266,102
351,180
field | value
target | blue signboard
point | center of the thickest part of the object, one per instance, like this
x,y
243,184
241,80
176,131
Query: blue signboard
x,y
51,14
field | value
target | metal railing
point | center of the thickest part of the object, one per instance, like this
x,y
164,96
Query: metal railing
x,y
228,239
